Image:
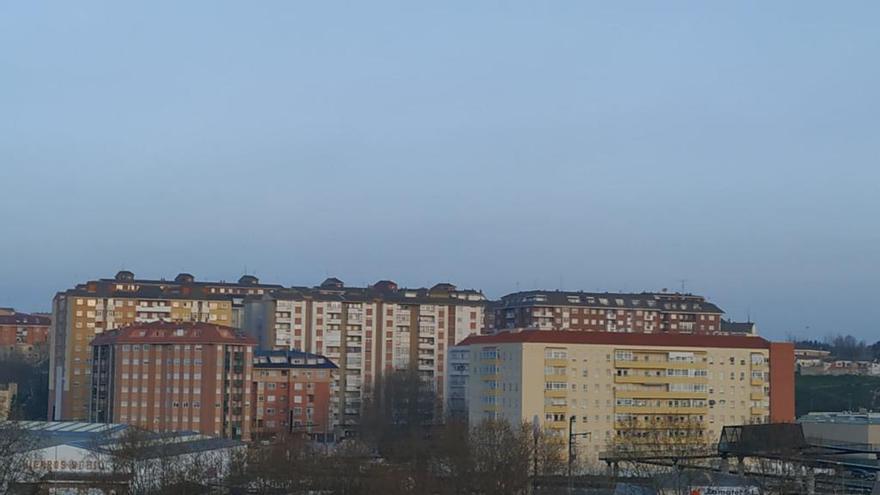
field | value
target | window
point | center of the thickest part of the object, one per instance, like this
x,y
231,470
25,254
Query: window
x,y
623,356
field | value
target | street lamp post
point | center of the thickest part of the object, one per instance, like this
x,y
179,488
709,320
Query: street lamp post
x,y
571,449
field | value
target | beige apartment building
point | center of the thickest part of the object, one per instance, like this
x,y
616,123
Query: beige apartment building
x,y
620,386
90,308
368,332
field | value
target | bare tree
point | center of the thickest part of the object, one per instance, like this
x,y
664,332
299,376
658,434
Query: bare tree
x,y
284,465
17,458
152,464
657,449
501,454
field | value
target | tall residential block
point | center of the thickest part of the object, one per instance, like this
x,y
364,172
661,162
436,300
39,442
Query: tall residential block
x,y
646,312
174,377
627,386
368,332
292,394
24,334
87,310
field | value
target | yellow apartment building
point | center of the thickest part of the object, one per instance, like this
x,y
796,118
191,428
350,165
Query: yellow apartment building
x,y
627,385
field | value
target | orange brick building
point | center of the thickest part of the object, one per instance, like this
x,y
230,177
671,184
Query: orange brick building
x,y
174,377
291,393
26,334
90,308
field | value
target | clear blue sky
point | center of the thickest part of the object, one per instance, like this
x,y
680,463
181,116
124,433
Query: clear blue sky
x,y
497,145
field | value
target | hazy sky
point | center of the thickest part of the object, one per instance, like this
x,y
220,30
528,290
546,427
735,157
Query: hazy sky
x,y
497,145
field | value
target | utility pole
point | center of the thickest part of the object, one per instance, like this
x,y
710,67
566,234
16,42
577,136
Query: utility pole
x,y
570,452
535,431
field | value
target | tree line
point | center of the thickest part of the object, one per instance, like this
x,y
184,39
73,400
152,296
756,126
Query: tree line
x,y
842,347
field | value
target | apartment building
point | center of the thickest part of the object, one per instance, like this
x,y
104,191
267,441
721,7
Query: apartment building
x,y
646,312
87,310
23,334
458,365
291,394
621,386
368,332
166,376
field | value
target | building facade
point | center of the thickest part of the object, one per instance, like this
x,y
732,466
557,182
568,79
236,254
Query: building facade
x,y
854,428
82,458
368,332
173,377
291,394
457,372
646,312
8,391
621,386
87,310
24,334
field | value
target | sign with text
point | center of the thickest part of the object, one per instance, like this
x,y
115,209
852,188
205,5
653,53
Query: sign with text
x,y
724,490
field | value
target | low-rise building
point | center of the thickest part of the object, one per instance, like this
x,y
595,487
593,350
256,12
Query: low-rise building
x,y
72,457
620,386
291,394
810,366
174,377
843,429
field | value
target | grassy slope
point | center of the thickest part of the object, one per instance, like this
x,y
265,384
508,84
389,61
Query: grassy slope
x,y
836,393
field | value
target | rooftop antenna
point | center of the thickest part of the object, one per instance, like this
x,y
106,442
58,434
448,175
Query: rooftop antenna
x,y
683,282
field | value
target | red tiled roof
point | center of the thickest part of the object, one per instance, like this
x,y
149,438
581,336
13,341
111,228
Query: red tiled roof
x,y
167,333
613,338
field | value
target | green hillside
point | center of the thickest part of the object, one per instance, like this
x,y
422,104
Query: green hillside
x,y
836,393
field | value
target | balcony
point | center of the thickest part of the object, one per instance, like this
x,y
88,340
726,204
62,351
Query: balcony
x,y
657,364
659,394
555,362
660,379
638,424
153,309
556,425
548,408
556,393
660,410
759,411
